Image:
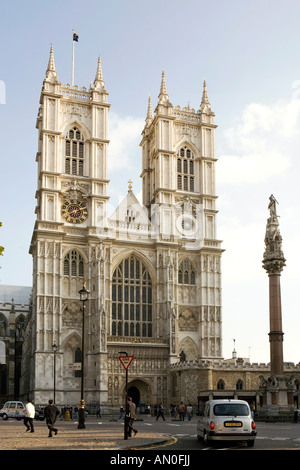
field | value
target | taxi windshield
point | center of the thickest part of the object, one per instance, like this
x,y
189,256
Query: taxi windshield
x,y
231,409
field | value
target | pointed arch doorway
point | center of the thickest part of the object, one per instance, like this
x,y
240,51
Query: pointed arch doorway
x,y
140,392
134,393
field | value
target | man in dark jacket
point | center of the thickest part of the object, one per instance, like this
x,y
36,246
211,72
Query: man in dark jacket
x,y
51,412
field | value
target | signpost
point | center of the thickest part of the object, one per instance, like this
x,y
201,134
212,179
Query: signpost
x,y
126,361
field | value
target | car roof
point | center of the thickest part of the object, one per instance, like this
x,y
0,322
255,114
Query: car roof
x,y
227,400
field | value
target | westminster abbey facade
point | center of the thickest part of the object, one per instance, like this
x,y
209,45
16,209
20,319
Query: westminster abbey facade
x,y
152,268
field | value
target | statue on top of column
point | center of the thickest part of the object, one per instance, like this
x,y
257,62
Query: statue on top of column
x,y
272,207
273,256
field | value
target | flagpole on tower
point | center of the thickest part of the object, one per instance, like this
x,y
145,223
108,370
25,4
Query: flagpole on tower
x,y
73,59
74,38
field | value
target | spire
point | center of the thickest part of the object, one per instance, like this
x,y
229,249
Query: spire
x,y
51,63
163,87
205,104
163,96
149,112
234,351
51,70
99,82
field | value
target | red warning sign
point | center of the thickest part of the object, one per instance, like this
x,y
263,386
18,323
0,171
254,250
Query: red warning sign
x,y
126,361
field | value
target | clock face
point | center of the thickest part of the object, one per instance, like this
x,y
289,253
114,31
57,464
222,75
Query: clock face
x,y
187,225
74,211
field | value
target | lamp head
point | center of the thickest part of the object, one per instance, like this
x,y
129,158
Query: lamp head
x,y
84,293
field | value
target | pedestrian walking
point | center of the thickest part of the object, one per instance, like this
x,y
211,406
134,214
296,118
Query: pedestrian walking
x,y
130,416
160,412
181,411
172,411
122,412
189,410
51,412
98,412
252,410
29,416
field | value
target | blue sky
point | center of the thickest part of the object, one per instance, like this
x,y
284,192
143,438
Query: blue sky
x,y
248,53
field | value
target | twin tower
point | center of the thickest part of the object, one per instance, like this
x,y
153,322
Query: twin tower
x,y
153,269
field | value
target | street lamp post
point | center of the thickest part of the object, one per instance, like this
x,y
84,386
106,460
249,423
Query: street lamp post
x,y
126,402
54,349
84,294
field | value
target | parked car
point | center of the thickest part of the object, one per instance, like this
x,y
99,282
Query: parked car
x,y
13,409
39,413
226,420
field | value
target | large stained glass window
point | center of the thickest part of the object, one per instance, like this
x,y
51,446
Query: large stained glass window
x,y
132,303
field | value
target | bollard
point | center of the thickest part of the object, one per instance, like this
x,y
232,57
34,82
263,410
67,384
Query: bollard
x,y
67,416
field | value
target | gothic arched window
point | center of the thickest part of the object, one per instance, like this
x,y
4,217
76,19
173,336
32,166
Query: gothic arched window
x,y
221,385
74,152
131,299
185,169
73,264
78,359
239,385
186,273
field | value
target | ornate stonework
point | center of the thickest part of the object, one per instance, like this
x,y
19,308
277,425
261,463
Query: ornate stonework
x,y
273,260
152,268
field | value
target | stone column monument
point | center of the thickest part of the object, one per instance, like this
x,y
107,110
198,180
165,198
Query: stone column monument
x,y
273,263
278,389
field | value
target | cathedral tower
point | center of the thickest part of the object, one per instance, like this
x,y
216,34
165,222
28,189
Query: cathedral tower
x,y
71,203
179,191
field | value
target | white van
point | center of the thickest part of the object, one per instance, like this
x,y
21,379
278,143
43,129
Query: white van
x,y
226,420
13,409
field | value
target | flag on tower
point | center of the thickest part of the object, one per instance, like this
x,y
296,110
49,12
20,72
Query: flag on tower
x,y
75,38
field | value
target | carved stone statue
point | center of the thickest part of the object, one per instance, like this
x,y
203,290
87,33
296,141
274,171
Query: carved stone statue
x,y
273,256
272,206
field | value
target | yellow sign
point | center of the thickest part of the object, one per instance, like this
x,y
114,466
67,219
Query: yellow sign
x,y
233,424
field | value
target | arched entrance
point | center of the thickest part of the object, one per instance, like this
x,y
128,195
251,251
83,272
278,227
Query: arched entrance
x,y
140,392
134,393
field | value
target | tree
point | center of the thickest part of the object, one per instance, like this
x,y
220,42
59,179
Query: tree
x,y
1,247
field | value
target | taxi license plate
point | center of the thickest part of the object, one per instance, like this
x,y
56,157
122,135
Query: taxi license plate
x,y
233,424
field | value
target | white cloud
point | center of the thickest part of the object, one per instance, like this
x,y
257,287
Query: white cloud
x,y
260,155
261,143
251,168
125,136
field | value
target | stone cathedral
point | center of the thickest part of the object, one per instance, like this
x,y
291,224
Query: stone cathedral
x,y
153,269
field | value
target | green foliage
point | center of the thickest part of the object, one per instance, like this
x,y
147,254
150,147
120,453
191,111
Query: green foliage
x,y
1,247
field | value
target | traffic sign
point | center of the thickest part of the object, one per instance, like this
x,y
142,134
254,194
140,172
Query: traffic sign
x,y
126,361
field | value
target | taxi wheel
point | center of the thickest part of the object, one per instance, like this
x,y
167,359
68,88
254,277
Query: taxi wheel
x,y
205,437
250,443
4,417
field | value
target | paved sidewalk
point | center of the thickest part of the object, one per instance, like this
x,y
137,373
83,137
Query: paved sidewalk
x,y
13,436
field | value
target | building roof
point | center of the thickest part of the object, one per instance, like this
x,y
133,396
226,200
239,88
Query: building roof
x,y
19,294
